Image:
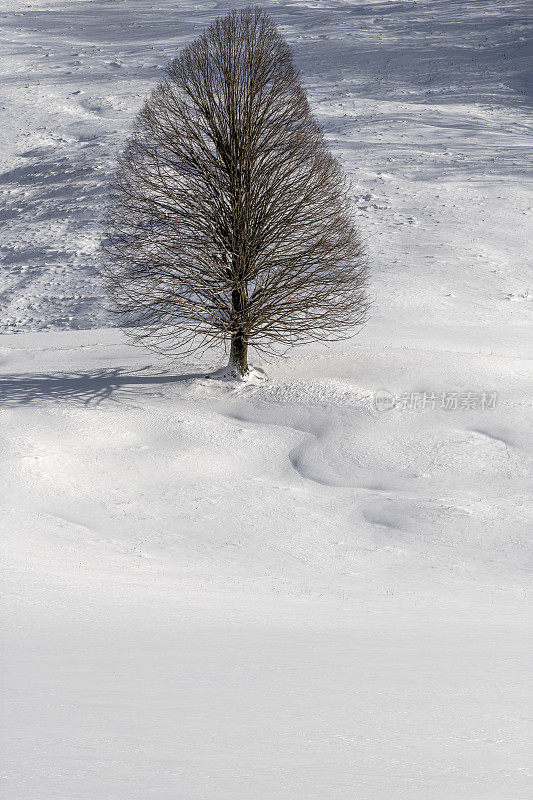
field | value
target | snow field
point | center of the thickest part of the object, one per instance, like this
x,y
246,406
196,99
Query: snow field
x,y
273,590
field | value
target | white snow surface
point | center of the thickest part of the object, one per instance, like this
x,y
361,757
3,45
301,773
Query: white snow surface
x,y
272,590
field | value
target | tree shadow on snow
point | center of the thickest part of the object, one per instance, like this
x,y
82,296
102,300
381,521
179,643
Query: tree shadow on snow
x,y
85,388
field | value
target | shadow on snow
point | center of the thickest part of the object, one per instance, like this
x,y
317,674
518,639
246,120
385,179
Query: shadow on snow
x,y
86,388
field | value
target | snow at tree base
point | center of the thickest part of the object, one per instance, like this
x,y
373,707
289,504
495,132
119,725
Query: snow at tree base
x,y
304,587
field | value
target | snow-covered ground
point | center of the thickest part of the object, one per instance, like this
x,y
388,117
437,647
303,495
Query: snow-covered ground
x,y
287,590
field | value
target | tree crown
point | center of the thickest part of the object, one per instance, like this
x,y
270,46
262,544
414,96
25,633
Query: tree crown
x,y
229,216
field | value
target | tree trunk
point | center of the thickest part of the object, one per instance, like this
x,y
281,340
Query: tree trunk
x,y
239,345
238,362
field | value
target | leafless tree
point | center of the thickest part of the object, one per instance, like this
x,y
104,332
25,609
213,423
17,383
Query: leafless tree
x,y
229,218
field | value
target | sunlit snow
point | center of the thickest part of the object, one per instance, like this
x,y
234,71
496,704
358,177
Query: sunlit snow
x,y
306,587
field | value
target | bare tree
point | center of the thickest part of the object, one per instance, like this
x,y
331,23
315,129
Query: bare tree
x,y
229,218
